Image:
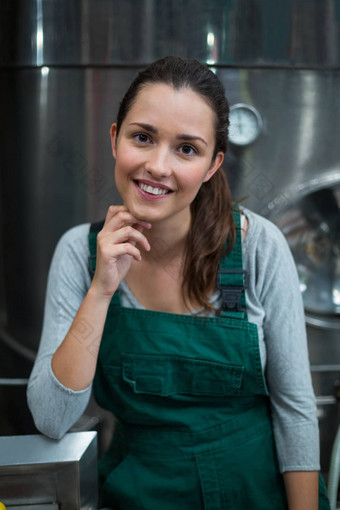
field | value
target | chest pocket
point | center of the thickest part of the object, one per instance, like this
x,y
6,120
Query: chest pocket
x,y
176,375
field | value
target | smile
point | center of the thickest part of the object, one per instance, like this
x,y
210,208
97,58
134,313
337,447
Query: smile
x,y
153,191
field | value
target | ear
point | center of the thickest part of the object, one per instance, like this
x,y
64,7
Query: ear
x,y
215,165
113,134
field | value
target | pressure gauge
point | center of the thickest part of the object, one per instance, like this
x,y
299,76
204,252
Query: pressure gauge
x,y
245,124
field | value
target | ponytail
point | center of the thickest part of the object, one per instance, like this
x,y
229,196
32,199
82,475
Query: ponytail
x,y
212,224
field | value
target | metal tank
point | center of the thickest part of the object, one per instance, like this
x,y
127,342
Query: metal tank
x,y
64,68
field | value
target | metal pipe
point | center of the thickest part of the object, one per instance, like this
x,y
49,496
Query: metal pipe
x,y
334,472
13,382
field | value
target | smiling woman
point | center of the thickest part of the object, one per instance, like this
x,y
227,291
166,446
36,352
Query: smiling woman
x,y
187,323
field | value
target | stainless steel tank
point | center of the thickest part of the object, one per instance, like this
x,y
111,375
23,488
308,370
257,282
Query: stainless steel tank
x,y
64,68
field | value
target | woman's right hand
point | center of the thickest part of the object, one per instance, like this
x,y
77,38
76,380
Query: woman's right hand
x,y
116,248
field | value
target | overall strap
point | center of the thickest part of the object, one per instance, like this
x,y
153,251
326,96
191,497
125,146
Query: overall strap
x,y
94,229
231,278
92,238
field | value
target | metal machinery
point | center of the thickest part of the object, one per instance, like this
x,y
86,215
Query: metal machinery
x,y
64,68
38,473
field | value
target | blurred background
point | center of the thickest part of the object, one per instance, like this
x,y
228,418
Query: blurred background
x,y
64,67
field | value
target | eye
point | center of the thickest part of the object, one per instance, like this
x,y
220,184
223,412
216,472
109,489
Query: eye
x,y
188,150
142,138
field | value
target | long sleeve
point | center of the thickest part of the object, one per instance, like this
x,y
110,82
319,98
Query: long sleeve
x,y
274,294
54,407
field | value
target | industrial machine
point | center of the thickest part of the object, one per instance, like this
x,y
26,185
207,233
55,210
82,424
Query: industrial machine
x,y
39,473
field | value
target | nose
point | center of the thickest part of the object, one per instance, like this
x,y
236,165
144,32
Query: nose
x,y
158,162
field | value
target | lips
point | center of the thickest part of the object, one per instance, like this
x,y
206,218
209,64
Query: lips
x,y
153,191
153,188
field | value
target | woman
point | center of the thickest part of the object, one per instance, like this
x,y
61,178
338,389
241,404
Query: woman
x,y
202,357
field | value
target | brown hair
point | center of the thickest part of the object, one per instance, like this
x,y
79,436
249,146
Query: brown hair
x,y
211,211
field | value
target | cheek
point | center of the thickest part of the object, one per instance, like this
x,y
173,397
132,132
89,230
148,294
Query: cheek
x,y
194,178
123,166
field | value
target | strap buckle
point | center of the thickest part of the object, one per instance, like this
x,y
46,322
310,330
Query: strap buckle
x,y
232,294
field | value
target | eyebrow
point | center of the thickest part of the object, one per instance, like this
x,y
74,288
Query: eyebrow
x,y
181,136
148,127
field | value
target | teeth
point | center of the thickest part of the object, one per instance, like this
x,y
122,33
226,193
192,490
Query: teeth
x,y
153,191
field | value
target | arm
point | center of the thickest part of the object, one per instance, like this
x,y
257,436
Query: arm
x,y
75,313
302,489
74,362
55,408
287,369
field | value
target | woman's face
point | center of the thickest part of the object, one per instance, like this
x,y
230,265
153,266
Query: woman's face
x,y
164,152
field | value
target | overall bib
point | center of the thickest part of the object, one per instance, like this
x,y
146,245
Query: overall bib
x,y
194,429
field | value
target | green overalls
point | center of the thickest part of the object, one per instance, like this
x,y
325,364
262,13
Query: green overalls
x,y
194,428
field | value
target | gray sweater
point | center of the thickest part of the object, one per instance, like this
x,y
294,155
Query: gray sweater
x,y
274,304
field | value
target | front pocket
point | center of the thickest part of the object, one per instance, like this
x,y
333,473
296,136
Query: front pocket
x,y
176,375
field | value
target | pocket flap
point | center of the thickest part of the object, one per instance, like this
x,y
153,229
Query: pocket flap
x,y
170,375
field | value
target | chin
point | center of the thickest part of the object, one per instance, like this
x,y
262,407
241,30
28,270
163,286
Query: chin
x,y
140,213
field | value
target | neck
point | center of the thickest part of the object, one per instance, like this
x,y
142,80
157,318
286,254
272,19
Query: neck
x,y
167,238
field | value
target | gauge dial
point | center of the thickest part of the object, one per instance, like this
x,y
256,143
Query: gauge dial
x,y
245,124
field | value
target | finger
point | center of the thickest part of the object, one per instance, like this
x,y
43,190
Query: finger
x,y
109,251
113,210
119,216
127,249
126,234
130,234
